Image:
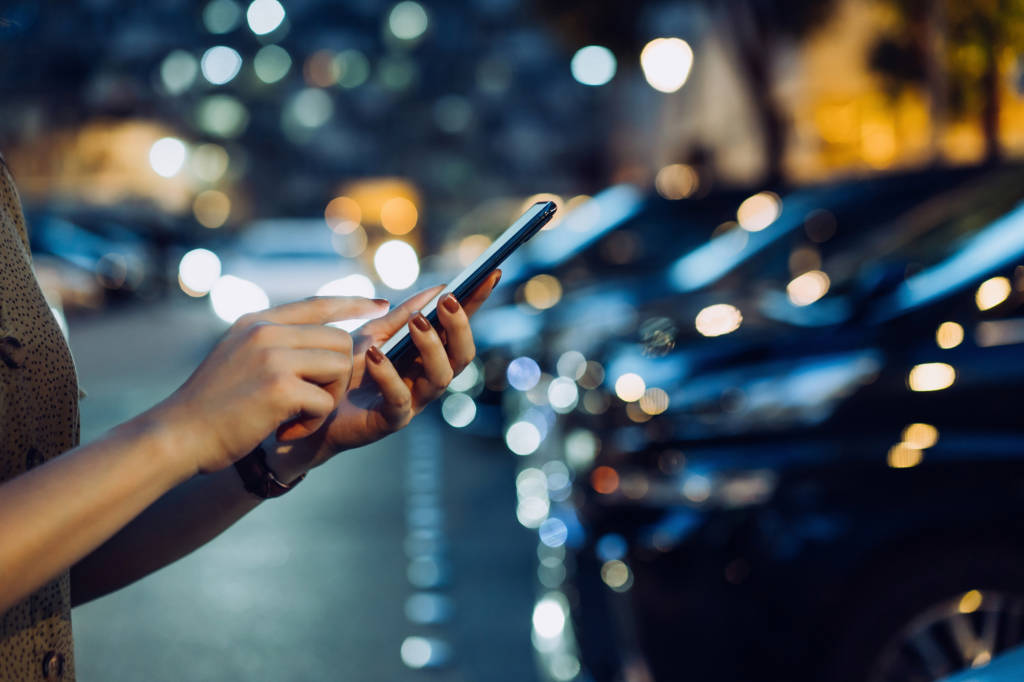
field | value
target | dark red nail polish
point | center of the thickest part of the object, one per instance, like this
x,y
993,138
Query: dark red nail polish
x,y
496,280
450,303
382,301
421,322
375,355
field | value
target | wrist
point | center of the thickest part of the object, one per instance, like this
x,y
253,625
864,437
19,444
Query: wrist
x,y
288,460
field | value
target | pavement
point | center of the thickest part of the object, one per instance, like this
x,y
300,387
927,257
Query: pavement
x,y
399,561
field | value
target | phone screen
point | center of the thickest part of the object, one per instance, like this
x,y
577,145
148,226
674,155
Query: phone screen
x,y
400,349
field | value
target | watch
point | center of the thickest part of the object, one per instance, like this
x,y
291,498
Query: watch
x,y
259,479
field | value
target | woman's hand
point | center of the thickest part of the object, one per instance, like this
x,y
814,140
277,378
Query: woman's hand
x,y
380,400
281,369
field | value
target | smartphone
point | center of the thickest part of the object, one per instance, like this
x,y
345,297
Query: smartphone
x,y
400,348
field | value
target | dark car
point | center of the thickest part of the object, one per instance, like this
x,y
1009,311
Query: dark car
x,y
830,491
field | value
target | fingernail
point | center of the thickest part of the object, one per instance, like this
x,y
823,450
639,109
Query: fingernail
x,y
376,357
382,301
496,279
450,303
421,322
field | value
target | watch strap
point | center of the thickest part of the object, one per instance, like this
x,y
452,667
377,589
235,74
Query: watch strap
x,y
258,478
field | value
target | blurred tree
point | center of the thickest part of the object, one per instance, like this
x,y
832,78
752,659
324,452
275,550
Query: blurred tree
x,y
953,49
759,31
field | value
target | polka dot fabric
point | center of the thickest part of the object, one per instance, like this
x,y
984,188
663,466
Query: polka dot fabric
x,y
38,421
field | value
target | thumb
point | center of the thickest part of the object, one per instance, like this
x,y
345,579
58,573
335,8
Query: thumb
x,y
321,310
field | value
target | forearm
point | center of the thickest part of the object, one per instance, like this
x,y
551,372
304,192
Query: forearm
x,y
57,513
180,522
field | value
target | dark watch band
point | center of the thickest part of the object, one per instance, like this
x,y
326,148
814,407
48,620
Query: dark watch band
x,y
257,477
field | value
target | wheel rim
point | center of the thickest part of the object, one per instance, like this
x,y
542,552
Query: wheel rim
x,y
964,631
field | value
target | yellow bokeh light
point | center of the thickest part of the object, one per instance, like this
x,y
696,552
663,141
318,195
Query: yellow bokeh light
x,y
718,319
759,211
931,376
676,181
920,436
808,287
630,387
636,413
992,292
970,602
615,573
654,401
903,456
471,247
372,193
398,215
542,291
343,214
949,335
212,208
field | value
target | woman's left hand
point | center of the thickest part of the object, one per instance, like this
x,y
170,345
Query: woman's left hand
x,y
379,400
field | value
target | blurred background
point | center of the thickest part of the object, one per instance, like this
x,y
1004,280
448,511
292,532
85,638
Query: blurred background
x,y
748,409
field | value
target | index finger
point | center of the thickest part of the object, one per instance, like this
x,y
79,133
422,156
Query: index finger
x,y
480,294
319,310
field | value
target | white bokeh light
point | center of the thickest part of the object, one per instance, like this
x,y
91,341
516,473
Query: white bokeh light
x,y
408,20
523,438
199,270
563,394
232,297
272,63
353,285
178,71
396,264
666,63
549,618
459,410
593,65
220,64
167,156
264,16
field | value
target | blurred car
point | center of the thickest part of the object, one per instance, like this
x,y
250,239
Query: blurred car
x,y
828,488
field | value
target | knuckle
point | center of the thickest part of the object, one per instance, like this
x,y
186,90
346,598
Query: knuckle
x,y
259,331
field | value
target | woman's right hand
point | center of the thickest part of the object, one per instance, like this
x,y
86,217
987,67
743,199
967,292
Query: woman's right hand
x,y
275,366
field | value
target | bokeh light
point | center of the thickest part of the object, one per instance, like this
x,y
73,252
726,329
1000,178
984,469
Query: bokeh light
x,y
808,287
408,20
571,364
654,401
167,156
718,319
222,16
542,291
178,72
309,108
232,297
321,70
549,617
563,394
264,16
209,162
931,376
523,373
458,409
666,63
630,387
343,214
396,264
350,285
222,115
398,215
220,64
676,181
615,574
212,208
920,436
523,438
903,456
467,379
604,480
354,68
198,271
992,292
593,65
470,248
581,448
949,335
272,63
759,211
424,652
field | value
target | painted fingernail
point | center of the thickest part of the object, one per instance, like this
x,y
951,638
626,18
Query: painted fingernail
x,y
375,355
450,303
421,322
382,301
496,279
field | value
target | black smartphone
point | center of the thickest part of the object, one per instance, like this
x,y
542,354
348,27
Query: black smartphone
x,y
400,348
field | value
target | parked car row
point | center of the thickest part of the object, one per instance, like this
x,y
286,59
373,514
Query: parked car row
x,y
791,451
